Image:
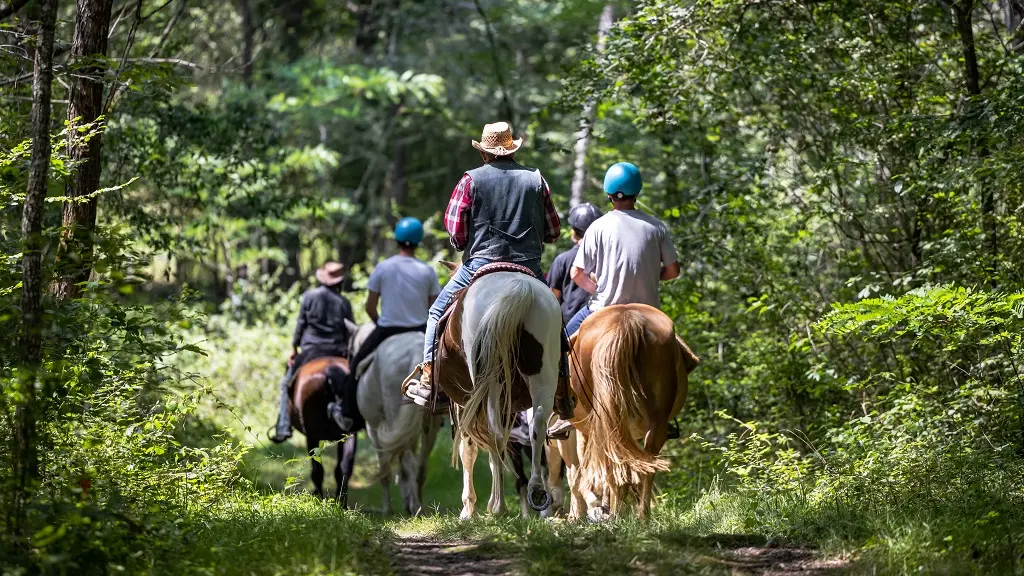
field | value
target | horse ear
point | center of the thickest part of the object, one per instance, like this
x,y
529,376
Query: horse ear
x,y
352,326
451,266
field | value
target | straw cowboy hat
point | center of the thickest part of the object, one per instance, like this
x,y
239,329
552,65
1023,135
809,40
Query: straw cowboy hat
x,y
497,139
331,274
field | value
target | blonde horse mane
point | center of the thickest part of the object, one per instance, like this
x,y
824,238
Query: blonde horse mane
x,y
612,454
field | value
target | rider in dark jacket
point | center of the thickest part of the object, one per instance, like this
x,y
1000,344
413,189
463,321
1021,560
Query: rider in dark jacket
x,y
320,331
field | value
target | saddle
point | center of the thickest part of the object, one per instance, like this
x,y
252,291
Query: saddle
x,y
450,371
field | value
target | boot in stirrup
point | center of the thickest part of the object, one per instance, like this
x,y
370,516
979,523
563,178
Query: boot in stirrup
x,y
417,387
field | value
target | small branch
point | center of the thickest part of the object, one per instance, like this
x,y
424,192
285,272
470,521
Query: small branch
x,y
167,29
175,61
16,80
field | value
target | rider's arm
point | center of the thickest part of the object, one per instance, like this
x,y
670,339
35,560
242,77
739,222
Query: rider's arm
x,y
456,216
557,293
300,326
669,259
583,280
371,305
552,223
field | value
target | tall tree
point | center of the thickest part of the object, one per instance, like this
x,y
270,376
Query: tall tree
x,y
89,47
30,338
247,41
579,173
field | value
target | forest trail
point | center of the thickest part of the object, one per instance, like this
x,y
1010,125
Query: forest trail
x,y
425,554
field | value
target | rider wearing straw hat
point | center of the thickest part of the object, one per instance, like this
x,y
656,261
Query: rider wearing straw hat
x,y
320,331
499,212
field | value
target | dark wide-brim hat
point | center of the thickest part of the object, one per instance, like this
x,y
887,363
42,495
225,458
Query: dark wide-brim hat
x,y
331,274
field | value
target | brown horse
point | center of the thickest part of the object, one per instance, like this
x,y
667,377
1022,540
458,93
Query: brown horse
x,y
308,403
630,380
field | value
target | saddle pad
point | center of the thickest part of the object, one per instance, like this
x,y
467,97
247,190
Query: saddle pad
x,y
501,267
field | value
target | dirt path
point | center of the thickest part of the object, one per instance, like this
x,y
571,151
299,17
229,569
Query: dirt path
x,y
423,555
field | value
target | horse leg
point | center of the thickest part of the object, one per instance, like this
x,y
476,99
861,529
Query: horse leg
x,y
343,471
408,485
467,452
515,455
496,503
383,475
654,441
431,428
541,387
554,480
317,472
574,472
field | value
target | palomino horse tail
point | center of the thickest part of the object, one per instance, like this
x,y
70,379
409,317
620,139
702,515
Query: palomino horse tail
x,y
486,418
612,450
396,435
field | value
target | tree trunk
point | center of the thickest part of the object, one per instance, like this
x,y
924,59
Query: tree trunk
x,y
247,39
26,458
963,13
74,256
1013,15
579,174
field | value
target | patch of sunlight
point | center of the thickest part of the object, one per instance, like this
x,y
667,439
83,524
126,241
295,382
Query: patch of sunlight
x,y
422,526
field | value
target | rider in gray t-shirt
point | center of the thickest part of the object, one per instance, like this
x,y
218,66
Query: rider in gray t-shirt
x,y
623,257
625,253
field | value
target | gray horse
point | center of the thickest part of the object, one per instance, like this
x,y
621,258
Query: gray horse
x,y
401,432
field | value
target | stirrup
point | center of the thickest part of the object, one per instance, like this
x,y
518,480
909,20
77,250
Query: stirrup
x,y
560,430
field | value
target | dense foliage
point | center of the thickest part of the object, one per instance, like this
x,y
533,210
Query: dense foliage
x,y
842,179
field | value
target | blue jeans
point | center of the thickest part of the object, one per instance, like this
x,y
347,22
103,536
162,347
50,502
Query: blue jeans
x,y
459,280
574,325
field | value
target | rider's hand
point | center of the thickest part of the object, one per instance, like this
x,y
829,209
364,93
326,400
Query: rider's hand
x,y
291,358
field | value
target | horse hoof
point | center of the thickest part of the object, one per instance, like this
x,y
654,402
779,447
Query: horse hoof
x,y
533,497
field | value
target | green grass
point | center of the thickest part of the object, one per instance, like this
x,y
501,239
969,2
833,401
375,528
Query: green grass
x,y
276,528
279,535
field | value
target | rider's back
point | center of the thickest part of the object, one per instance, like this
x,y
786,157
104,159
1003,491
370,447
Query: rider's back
x,y
507,217
625,250
322,319
407,286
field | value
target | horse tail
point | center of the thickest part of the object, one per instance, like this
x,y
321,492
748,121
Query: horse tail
x,y
485,419
612,451
396,435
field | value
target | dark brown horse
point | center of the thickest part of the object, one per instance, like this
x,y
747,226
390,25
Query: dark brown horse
x,y
308,398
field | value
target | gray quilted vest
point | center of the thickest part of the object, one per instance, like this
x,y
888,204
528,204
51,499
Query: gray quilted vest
x,y
507,216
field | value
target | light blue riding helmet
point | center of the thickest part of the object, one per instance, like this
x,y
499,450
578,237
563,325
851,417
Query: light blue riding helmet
x,y
409,230
623,179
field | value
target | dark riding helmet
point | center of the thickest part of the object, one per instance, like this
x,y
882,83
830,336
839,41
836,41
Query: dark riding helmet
x,y
583,215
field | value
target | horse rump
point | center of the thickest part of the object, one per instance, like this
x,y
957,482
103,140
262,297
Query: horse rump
x,y
613,454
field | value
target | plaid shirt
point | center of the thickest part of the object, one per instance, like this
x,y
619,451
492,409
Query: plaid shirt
x,y
456,217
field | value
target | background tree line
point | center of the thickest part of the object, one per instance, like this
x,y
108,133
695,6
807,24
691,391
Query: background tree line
x,y
842,179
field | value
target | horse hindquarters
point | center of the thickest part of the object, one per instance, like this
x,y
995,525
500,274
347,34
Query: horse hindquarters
x,y
612,454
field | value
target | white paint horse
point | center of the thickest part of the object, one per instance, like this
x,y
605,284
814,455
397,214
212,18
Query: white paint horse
x,y
401,432
510,326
